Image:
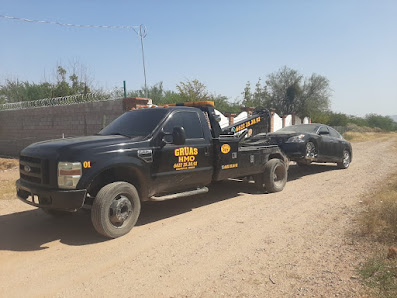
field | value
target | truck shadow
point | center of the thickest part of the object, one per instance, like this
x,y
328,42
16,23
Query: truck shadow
x,y
225,190
31,230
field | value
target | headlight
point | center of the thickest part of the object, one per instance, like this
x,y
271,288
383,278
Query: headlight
x,y
69,174
296,139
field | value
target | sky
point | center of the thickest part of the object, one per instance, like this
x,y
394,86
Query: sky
x,y
223,44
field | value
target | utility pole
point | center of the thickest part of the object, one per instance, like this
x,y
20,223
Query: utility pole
x,y
142,34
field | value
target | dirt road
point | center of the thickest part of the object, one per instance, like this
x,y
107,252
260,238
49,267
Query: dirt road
x,y
230,242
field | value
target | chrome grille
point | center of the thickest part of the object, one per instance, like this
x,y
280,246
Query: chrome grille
x,y
33,169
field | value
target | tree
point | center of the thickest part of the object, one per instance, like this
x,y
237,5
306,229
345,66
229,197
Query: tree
x,y
287,91
255,99
223,105
284,91
247,95
192,91
316,95
382,122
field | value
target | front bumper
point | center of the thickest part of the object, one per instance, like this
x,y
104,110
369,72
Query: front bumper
x,y
69,200
295,151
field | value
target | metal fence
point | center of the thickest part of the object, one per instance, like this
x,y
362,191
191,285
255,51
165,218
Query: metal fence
x,y
58,101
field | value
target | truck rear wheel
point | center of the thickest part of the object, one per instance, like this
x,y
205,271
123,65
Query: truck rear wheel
x,y
116,209
275,175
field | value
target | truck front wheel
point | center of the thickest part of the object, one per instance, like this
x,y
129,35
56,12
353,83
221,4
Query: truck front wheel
x,y
116,209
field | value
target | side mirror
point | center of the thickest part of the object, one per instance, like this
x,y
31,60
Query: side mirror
x,y
178,135
323,133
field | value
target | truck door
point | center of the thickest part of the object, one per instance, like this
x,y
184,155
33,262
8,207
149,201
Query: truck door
x,y
180,167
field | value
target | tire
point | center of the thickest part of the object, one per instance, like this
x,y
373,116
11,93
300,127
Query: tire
x,y
56,213
311,151
275,175
345,163
116,209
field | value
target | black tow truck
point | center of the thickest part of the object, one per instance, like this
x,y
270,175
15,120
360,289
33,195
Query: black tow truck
x,y
147,154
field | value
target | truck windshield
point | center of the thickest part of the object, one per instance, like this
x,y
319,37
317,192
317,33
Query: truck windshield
x,y
137,123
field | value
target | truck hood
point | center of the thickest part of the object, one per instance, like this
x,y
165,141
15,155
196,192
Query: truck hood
x,y
69,146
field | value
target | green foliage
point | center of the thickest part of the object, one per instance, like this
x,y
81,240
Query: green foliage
x,y
289,92
285,91
192,91
255,99
369,123
223,105
16,91
380,273
337,119
188,91
359,121
383,122
157,93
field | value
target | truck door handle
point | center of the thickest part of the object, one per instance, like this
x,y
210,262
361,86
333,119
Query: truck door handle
x,y
206,151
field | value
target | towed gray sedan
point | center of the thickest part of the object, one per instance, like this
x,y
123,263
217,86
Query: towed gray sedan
x,y
306,143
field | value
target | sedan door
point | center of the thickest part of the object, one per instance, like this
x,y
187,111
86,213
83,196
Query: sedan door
x,y
327,144
337,150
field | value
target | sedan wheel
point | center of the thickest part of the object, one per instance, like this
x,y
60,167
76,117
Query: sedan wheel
x,y
311,151
345,163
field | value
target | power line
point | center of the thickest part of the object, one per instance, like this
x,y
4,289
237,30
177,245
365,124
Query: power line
x,y
70,25
142,32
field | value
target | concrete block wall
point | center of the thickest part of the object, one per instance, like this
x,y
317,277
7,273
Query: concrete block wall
x,y
20,128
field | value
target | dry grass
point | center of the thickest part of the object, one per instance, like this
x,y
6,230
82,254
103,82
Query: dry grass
x,y
380,216
7,183
378,222
7,190
356,137
8,163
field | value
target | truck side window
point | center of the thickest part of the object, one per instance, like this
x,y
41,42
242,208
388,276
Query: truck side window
x,y
189,121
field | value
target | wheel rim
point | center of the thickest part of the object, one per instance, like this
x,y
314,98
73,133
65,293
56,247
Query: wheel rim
x,y
120,210
278,175
310,150
346,159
